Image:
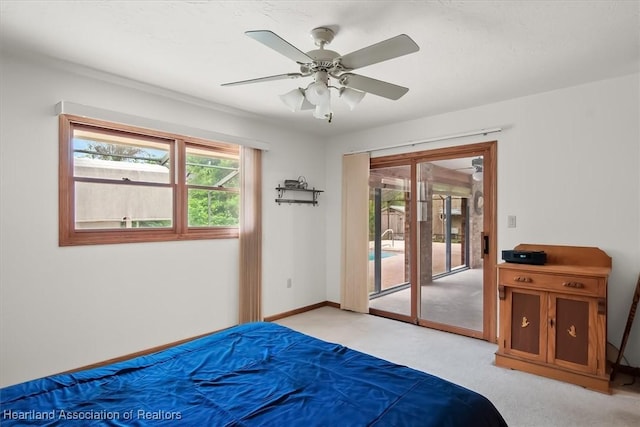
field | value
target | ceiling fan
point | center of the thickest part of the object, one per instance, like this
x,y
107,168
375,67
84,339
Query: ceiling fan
x,y
324,65
477,164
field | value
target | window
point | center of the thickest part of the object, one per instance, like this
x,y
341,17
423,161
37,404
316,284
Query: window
x,y
124,184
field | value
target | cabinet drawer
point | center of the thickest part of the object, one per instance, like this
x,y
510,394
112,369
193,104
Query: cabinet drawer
x,y
553,282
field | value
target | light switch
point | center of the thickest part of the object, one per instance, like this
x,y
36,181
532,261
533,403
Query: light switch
x,y
511,221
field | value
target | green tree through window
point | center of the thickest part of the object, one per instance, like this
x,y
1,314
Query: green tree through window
x,y
213,190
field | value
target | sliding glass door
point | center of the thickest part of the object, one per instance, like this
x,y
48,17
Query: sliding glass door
x,y
431,259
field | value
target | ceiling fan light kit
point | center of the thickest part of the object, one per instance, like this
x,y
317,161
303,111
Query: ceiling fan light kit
x,y
296,100
351,97
325,65
323,111
317,92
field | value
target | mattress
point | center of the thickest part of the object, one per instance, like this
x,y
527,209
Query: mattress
x,y
256,374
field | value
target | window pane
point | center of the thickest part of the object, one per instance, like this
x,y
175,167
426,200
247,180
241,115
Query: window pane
x,y
212,169
109,206
117,177
107,156
209,208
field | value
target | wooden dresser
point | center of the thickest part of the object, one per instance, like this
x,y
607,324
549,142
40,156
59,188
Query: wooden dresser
x,y
553,317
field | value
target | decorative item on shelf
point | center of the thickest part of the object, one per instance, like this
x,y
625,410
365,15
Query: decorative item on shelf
x,y
300,185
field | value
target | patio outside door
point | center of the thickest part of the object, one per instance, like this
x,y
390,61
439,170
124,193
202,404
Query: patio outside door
x,y
431,226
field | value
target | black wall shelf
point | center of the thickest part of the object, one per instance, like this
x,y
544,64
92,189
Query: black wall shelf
x,y
314,194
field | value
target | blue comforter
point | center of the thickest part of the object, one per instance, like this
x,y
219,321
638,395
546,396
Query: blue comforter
x,y
258,374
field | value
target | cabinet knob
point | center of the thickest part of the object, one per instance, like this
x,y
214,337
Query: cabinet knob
x,y
522,279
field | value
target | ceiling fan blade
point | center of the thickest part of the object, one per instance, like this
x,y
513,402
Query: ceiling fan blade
x,y
265,79
280,45
382,51
376,87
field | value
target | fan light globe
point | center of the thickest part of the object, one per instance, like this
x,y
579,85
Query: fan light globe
x,y
293,99
296,100
351,97
322,111
317,93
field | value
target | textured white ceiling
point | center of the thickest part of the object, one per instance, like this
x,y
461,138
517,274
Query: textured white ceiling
x,y
471,52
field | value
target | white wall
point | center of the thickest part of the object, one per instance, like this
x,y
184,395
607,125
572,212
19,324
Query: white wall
x,y
61,308
568,168
293,235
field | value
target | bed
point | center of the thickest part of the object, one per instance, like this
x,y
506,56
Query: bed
x,y
256,374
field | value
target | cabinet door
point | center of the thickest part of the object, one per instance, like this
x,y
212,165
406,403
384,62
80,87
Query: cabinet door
x,y
525,331
572,332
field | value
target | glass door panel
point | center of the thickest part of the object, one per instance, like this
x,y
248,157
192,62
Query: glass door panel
x,y
449,243
389,222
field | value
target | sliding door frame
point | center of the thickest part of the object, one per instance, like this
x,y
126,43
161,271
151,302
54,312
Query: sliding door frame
x,y
488,150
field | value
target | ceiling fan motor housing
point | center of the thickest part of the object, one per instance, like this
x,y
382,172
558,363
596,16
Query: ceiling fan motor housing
x,y
323,60
322,36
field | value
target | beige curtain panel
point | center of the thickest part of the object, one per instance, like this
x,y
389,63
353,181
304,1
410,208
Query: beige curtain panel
x,y
250,277
355,232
